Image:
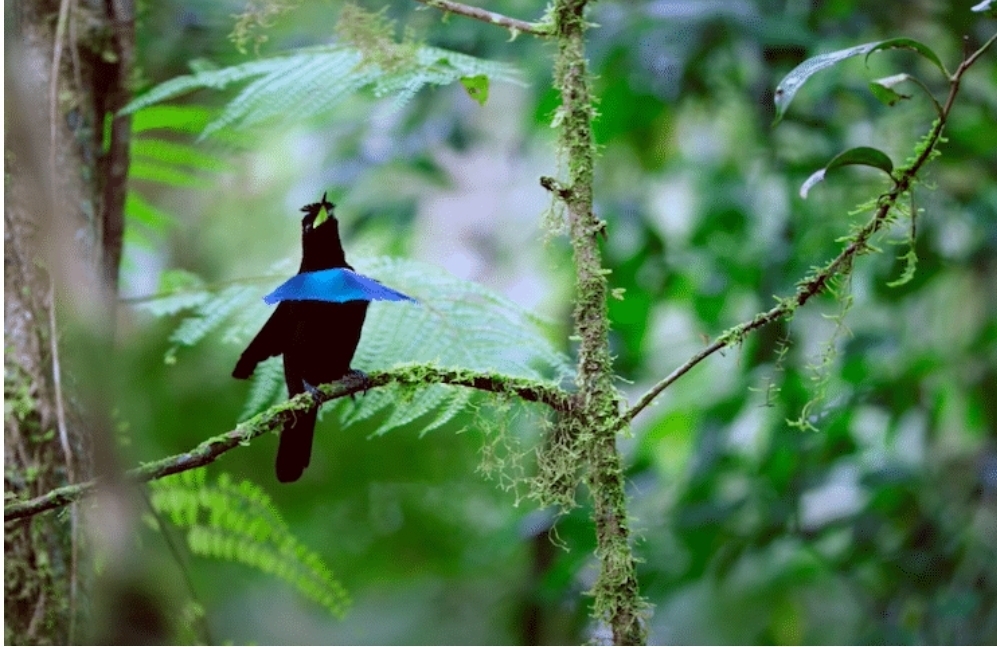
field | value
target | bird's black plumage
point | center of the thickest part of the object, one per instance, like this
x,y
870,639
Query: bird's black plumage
x,y
316,338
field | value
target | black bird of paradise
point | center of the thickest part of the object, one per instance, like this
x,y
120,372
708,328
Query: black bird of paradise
x,y
316,327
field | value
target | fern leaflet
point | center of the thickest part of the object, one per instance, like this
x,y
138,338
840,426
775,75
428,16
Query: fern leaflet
x,y
307,82
238,522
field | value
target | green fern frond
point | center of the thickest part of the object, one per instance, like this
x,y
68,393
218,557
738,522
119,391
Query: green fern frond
x,y
456,324
444,402
174,153
164,161
166,174
139,210
169,161
238,522
369,405
459,399
267,389
209,316
400,406
214,79
181,119
290,90
445,60
143,219
308,82
172,304
460,324
179,290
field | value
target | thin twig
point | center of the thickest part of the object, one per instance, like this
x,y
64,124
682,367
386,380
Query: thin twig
x,y
818,283
975,55
656,390
513,24
279,417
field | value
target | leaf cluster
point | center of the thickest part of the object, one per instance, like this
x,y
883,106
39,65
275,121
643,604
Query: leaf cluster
x,y
238,522
300,84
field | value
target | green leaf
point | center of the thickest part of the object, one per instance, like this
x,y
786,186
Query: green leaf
x,y
209,316
883,90
180,290
911,44
792,82
861,156
202,64
169,152
987,6
304,83
267,389
140,211
187,119
864,155
164,174
477,87
238,522
215,79
299,87
171,304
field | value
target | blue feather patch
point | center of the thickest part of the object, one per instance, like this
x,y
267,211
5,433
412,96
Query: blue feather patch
x,y
334,286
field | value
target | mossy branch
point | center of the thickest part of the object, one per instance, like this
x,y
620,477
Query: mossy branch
x,y
858,244
279,417
514,25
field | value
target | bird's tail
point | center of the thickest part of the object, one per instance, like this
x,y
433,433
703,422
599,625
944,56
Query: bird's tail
x,y
294,450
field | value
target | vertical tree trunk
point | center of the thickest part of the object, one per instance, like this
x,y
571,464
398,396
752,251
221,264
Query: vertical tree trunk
x,y
68,63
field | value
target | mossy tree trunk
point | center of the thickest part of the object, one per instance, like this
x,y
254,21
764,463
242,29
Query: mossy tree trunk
x,y
68,63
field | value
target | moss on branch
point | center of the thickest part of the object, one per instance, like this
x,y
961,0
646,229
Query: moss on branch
x,y
278,417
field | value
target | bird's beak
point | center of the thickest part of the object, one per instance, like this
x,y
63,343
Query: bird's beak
x,y
324,213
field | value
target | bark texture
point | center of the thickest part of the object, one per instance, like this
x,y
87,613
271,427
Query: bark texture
x,y
67,66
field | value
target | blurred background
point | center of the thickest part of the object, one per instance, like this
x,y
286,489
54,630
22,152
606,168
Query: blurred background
x,y
878,524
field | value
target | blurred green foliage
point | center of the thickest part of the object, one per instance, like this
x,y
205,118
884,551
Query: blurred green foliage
x,y
879,527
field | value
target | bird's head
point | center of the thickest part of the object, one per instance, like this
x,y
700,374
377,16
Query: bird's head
x,y
321,247
317,213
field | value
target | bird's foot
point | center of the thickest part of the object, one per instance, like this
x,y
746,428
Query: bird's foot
x,y
315,393
364,381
